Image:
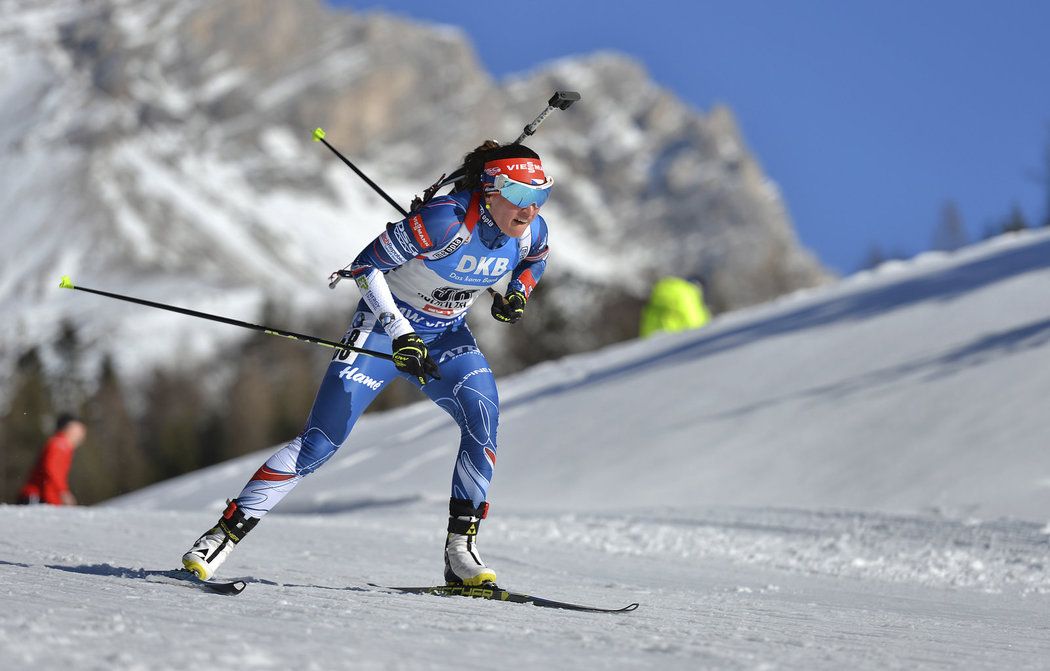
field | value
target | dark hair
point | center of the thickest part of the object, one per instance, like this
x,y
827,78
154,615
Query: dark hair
x,y
490,150
64,420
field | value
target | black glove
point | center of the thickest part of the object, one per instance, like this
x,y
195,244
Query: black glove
x,y
509,308
411,356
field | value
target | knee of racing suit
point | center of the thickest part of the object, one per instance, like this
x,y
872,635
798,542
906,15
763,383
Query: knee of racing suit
x,y
316,449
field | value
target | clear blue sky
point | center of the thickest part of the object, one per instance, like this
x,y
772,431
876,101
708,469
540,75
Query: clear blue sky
x,y
869,114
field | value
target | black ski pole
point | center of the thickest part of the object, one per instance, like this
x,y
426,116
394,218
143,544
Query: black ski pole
x,y
67,283
319,136
561,100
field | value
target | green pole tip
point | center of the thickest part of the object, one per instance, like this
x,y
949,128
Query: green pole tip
x,y
318,134
66,283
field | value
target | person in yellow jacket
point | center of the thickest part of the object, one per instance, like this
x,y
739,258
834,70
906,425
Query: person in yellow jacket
x,y
674,305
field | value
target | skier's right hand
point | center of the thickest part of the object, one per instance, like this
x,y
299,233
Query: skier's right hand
x,y
411,356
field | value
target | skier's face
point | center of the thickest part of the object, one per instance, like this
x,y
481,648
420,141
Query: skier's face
x,y
511,219
75,433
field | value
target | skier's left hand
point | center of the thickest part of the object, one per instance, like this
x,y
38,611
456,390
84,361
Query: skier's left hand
x,y
509,308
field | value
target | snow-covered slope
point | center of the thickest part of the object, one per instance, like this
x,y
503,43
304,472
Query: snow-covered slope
x,y
919,388
852,478
719,589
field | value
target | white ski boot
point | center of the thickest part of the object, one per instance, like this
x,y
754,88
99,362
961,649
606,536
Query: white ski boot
x,y
463,563
212,549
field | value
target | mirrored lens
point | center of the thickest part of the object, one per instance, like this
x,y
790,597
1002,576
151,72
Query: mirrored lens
x,y
523,196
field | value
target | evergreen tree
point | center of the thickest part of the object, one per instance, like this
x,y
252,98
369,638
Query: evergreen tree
x,y
272,390
1015,222
877,256
111,461
68,381
1044,178
174,423
301,371
874,258
950,233
212,437
26,425
251,409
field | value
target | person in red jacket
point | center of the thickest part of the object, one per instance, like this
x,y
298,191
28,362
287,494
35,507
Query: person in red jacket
x,y
49,480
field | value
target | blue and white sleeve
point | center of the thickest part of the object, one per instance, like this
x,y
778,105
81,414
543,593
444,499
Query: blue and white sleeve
x,y
394,247
527,274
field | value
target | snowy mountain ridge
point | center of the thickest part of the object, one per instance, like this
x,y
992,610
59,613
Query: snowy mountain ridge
x,y
163,149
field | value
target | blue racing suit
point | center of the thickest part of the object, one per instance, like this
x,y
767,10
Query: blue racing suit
x,y
421,274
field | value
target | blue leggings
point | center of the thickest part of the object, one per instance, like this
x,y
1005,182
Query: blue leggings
x,y
466,390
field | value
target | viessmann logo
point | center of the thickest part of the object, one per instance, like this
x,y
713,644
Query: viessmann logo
x,y
484,266
529,166
420,231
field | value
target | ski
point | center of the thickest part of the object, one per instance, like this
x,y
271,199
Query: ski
x,y
490,592
495,593
231,588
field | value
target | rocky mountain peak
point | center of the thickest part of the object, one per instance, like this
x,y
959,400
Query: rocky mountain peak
x,y
164,148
